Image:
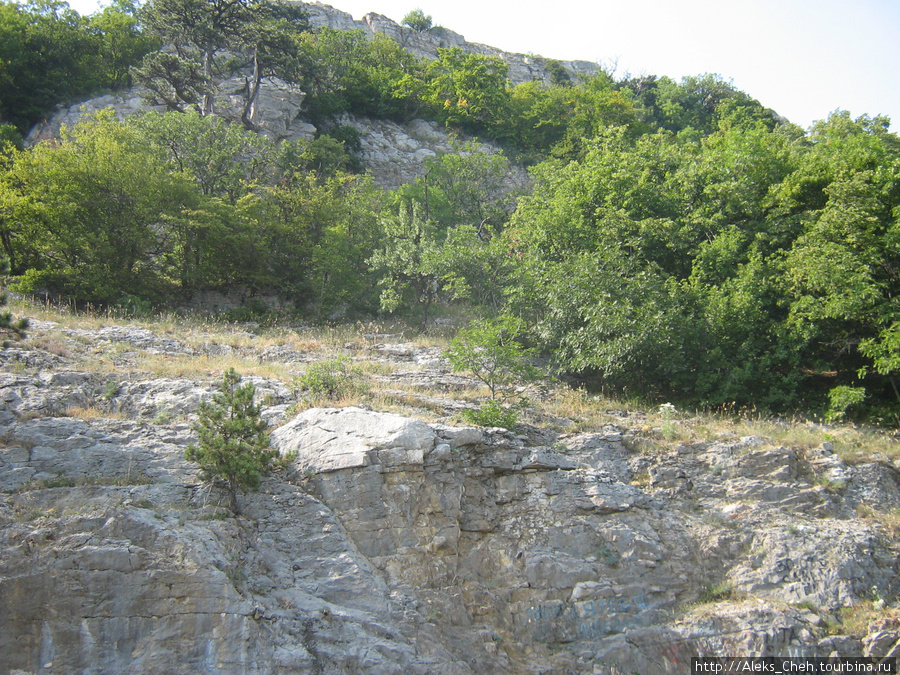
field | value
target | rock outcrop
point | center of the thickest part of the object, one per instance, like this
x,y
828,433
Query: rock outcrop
x,y
425,44
400,545
394,153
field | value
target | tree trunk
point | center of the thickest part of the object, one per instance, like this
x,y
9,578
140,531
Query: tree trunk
x,y
206,104
247,117
233,493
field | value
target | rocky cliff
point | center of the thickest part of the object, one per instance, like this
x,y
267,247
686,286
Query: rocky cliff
x,y
405,542
393,153
425,44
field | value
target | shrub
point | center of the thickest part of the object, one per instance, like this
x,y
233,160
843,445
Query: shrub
x,y
330,380
9,326
840,399
492,351
418,20
491,414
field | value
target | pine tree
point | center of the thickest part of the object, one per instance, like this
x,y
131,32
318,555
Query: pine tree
x,y
234,443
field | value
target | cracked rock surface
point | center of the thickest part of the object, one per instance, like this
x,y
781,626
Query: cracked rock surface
x,y
398,543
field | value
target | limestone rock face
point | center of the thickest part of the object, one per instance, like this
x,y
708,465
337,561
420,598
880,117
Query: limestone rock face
x,y
394,153
392,545
332,439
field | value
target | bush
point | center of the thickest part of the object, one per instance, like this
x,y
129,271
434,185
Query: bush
x,y
492,351
330,380
134,306
418,20
491,414
842,398
10,327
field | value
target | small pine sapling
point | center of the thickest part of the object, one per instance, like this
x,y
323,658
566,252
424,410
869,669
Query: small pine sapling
x,y
234,442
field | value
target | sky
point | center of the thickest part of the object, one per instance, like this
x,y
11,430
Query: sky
x,y
802,58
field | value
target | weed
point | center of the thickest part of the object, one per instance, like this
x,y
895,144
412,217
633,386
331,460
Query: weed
x,y
855,620
162,418
717,592
218,515
641,479
60,481
110,389
888,520
49,344
236,576
831,485
92,413
668,412
608,555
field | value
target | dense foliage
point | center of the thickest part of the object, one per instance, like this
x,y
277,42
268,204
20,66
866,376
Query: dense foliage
x,y
678,240
51,54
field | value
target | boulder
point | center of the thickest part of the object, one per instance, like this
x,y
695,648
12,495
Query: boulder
x,y
330,439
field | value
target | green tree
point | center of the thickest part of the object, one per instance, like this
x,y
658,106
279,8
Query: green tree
x,y
271,44
469,90
121,44
492,350
233,444
46,52
318,233
409,264
347,71
418,20
224,159
467,187
50,54
195,32
90,212
697,102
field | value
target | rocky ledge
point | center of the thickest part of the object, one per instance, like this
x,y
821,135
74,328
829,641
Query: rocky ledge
x,y
398,545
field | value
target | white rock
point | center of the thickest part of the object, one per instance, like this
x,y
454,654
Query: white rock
x,y
330,439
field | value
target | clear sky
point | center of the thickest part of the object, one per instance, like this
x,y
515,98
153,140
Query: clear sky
x,y
802,58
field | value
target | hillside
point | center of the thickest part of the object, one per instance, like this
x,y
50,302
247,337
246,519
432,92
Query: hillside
x,y
589,540
693,301
675,241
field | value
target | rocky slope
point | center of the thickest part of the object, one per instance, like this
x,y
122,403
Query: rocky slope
x,y
405,542
393,153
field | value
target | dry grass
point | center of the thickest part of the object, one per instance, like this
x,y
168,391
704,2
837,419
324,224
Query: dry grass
x,y
855,620
47,343
588,412
91,413
889,520
405,404
203,366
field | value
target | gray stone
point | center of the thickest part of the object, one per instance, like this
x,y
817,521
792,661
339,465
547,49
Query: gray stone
x,y
330,439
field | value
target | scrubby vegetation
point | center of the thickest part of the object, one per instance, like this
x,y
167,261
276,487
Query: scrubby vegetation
x,y
681,241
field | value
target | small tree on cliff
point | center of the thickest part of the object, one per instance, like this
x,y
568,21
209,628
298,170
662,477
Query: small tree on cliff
x,y
418,20
234,443
492,350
